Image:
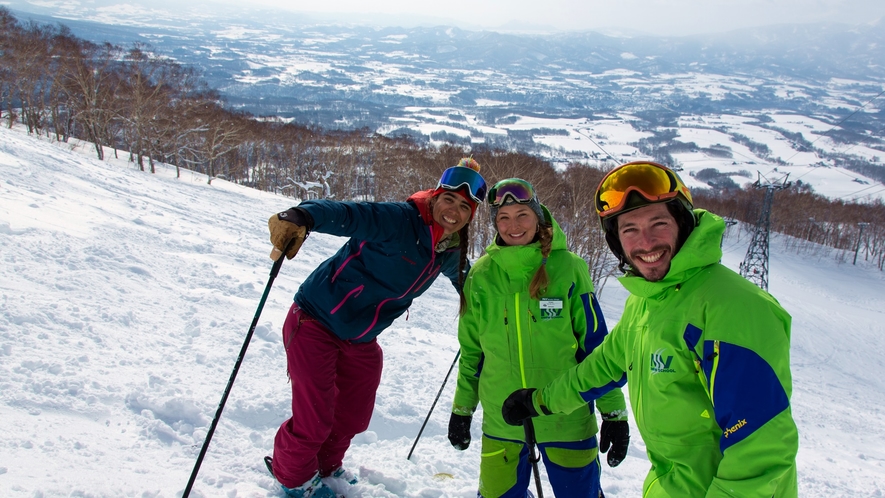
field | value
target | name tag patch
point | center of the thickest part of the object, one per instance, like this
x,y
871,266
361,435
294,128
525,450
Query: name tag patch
x,y
551,307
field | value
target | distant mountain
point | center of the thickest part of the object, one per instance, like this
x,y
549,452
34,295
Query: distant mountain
x,y
292,59
554,95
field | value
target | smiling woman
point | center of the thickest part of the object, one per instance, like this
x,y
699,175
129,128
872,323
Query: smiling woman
x,y
349,299
515,211
451,211
531,313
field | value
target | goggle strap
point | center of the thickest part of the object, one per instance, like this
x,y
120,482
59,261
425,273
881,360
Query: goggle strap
x,y
511,196
465,186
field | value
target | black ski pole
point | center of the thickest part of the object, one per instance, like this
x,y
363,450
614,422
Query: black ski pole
x,y
533,459
434,404
273,274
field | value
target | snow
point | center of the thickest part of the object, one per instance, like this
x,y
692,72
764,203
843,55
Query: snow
x,y
126,296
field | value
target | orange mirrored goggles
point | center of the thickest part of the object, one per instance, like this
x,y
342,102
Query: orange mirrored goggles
x,y
653,181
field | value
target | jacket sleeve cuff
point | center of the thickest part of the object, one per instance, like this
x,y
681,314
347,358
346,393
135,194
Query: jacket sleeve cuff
x,y
538,403
467,411
615,416
305,216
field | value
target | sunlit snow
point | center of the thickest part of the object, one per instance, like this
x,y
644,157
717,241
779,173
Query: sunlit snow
x,y
125,297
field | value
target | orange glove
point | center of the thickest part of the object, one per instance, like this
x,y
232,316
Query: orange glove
x,y
288,227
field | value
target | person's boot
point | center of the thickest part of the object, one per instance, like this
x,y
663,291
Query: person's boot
x,y
313,488
341,479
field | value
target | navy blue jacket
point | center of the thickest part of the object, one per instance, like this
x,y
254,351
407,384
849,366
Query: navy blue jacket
x,y
388,261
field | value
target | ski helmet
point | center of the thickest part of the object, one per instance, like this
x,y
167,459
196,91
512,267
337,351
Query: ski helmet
x,y
637,184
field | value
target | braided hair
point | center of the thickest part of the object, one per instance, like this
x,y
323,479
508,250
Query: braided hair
x,y
540,281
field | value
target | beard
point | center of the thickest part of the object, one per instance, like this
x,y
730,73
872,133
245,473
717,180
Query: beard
x,y
661,266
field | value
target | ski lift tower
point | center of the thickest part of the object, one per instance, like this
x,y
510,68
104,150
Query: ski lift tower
x,y
755,265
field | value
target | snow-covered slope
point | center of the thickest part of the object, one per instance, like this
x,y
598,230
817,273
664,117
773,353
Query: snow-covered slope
x,y
125,298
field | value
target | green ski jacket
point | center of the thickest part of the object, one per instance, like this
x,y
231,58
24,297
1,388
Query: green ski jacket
x,y
707,357
510,341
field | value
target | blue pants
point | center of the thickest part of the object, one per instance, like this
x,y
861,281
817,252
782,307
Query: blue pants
x,y
572,468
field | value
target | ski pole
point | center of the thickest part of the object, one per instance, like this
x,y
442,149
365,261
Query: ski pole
x,y
434,404
273,274
533,459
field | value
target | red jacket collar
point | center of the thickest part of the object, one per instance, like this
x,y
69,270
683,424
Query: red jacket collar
x,y
421,200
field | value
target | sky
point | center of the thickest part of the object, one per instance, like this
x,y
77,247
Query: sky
x,y
125,298
662,17
624,17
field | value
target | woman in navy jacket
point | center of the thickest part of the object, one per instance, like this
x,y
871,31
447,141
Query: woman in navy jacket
x,y
395,252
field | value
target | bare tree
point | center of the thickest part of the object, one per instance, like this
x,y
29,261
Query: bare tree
x,y
577,216
221,135
90,78
9,31
28,58
145,93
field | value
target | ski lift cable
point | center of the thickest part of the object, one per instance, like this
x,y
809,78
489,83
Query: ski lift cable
x,y
594,142
842,152
748,158
839,123
839,170
856,144
859,191
868,194
877,186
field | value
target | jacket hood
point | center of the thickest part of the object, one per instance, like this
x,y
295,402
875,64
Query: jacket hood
x,y
421,200
527,258
701,249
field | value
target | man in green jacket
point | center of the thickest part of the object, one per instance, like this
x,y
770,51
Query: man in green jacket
x,y
706,352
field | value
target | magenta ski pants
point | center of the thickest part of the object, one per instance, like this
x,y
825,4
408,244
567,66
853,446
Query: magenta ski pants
x,y
333,395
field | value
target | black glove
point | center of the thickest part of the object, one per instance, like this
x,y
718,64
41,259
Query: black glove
x,y
615,434
519,406
459,431
291,225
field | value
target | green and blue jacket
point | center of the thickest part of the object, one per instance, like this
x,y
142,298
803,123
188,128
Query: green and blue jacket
x,y
707,357
511,341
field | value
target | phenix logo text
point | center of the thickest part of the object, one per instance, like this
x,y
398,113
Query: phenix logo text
x,y
731,430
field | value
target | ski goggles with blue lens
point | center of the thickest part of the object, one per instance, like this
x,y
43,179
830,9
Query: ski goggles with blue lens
x,y
458,177
652,181
518,190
